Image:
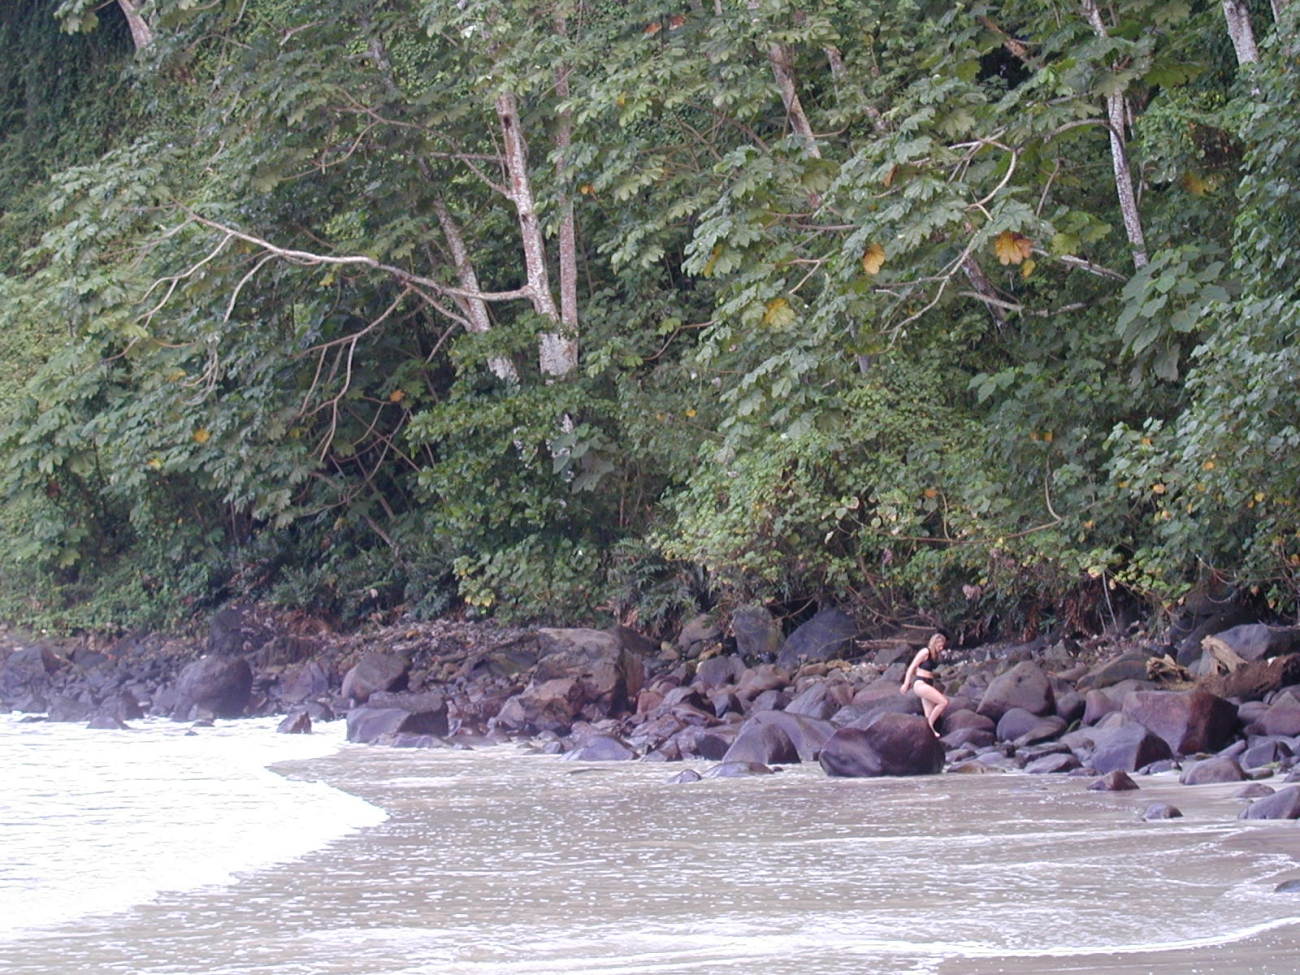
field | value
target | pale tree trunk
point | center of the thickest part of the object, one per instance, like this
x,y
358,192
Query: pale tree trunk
x,y
141,32
781,59
568,230
557,352
1116,115
1237,14
1279,7
474,308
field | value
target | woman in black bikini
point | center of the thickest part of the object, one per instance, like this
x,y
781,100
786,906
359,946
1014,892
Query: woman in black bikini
x,y
920,679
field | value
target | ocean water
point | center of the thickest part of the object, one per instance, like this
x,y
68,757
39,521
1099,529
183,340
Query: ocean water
x,y
185,855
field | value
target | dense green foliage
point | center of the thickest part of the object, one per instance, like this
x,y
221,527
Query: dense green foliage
x,y
860,317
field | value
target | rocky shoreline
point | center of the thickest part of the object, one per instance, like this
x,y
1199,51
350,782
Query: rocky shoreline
x,y
1219,702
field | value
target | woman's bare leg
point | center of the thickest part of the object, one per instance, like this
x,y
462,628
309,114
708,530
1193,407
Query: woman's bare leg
x,y
933,703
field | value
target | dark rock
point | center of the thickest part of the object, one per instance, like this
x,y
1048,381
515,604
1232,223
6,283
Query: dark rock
x,y
611,675
1283,804
368,724
107,722
298,723
684,776
1070,706
376,672
1127,666
762,744
1098,704
1282,719
549,706
1256,790
772,700
25,678
1116,780
737,770
1054,763
827,636
815,701
1124,748
1191,722
1263,753
758,635
891,744
221,686
1162,810
719,671
1023,686
602,748
972,737
235,631
65,708
807,734
700,633
307,680
1212,771
1287,887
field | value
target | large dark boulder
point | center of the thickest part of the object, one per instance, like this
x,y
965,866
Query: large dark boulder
x,y
602,748
892,744
216,686
1282,718
236,631
1283,804
807,734
398,713
549,706
305,681
1127,748
25,678
1191,722
1023,686
611,675
762,744
757,633
719,671
376,672
1213,771
827,636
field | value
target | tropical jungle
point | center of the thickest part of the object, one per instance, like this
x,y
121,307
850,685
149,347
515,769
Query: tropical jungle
x,y
973,313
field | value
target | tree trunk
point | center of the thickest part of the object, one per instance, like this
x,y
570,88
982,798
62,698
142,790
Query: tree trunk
x,y
568,229
475,309
141,32
558,352
1119,155
1237,14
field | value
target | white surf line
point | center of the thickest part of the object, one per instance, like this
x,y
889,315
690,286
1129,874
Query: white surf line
x,y
968,950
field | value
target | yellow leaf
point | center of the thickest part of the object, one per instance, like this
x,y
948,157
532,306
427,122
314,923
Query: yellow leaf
x,y
1012,248
874,259
202,435
713,259
155,463
889,176
778,314
690,412
930,492
1208,465
396,396
1047,437
1194,185
1027,268
1158,488
586,189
